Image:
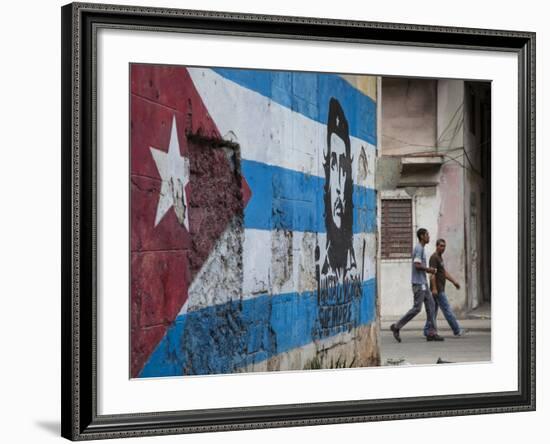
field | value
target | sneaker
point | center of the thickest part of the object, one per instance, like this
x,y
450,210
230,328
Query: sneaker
x,y
435,337
460,333
395,331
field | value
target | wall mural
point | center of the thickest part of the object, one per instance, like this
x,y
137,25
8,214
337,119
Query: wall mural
x,y
253,221
340,286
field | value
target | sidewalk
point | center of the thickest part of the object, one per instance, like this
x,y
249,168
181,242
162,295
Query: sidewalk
x,y
475,346
470,324
478,319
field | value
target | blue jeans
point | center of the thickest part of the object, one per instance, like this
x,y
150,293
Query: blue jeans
x,y
442,301
420,297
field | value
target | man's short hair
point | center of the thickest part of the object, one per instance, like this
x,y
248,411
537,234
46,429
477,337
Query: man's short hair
x,y
440,241
421,232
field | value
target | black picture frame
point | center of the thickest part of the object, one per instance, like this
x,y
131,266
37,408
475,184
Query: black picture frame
x,y
79,385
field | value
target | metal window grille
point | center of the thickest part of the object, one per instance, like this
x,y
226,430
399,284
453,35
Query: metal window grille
x,y
396,228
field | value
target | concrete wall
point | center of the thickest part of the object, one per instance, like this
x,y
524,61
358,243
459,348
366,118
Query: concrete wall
x,y
428,116
451,228
450,122
272,275
409,114
395,274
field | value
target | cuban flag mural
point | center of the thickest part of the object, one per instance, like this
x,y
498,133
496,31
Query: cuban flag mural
x,y
253,221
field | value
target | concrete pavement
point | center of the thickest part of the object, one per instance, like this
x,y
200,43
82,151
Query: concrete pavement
x,y
475,346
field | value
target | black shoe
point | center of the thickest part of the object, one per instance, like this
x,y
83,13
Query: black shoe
x,y
395,333
435,337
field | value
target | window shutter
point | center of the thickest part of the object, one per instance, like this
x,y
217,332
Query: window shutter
x,y
396,228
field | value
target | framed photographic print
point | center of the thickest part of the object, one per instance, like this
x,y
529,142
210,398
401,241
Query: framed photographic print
x,y
277,221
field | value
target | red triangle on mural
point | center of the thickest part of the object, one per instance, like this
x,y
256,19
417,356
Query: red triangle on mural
x,y
184,194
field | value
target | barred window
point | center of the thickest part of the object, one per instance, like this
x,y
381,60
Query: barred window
x,y
396,228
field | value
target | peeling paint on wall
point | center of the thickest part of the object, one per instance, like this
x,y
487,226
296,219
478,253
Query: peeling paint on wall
x,y
275,267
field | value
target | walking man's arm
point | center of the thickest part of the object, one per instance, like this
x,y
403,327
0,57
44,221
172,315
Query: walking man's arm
x,y
434,285
433,281
453,280
421,267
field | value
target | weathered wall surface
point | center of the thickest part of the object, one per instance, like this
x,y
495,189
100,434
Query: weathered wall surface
x,y
451,228
424,118
409,115
253,202
396,296
450,122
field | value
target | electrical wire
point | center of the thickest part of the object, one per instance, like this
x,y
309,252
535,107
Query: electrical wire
x,y
455,127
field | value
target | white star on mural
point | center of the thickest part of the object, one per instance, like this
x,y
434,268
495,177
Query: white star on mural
x,y
174,173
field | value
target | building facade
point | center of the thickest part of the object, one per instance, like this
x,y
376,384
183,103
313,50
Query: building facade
x,y
434,172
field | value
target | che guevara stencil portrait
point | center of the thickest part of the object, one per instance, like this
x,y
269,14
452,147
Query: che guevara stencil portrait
x,y
257,221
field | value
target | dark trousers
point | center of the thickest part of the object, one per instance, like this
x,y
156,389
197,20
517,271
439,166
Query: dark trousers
x,y
420,297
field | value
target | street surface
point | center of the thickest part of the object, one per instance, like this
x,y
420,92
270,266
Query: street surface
x,y
475,346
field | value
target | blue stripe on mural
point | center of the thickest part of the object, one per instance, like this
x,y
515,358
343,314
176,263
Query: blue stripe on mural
x,y
309,94
226,337
291,200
